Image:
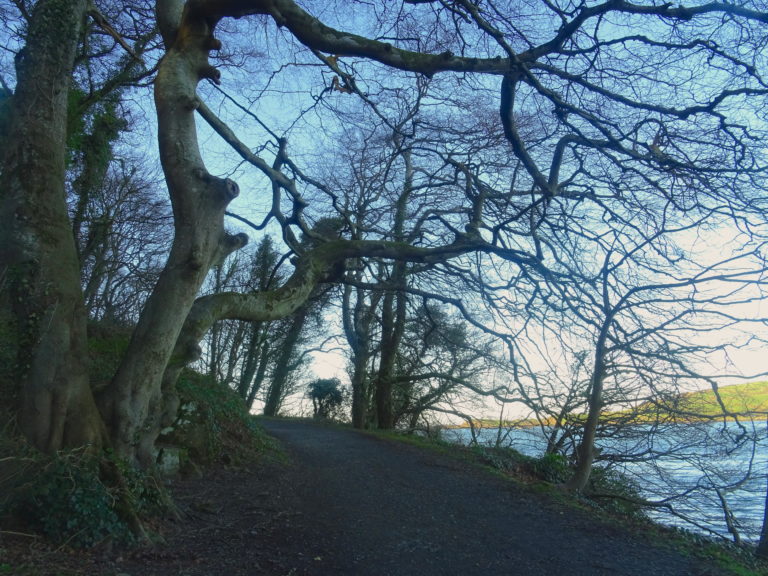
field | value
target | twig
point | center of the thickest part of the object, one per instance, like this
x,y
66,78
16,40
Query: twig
x,y
12,533
98,17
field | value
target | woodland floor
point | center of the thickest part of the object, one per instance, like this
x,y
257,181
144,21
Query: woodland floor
x,y
348,503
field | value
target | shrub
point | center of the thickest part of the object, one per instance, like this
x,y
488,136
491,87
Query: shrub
x,y
76,497
614,491
62,497
552,468
327,397
213,423
507,460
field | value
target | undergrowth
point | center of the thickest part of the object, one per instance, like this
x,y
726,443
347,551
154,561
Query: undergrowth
x,y
617,493
83,498
213,424
73,497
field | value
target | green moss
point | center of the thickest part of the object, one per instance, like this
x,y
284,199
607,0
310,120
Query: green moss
x,y
213,424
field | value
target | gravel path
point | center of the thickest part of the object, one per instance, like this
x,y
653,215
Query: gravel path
x,y
351,504
384,508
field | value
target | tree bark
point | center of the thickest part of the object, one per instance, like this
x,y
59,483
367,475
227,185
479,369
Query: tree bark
x,y
38,256
586,449
392,328
132,404
284,365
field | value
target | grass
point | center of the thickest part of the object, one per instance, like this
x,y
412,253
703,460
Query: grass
x,y
747,399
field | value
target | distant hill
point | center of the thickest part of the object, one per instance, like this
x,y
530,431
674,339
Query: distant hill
x,y
747,399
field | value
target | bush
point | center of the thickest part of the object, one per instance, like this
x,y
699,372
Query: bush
x,y
213,423
61,496
71,504
327,397
552,468
76,497
614,491
608,489
507,460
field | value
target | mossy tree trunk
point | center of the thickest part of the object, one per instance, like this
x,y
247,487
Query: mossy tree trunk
x,y
133,404
38,258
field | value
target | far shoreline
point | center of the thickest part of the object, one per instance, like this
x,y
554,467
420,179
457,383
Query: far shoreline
x,y
750,398
484,423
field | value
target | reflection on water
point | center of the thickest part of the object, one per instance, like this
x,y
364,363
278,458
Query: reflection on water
x,y
685,464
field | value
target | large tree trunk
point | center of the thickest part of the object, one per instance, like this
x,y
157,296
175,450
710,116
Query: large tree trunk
x,y
357,322
284,366
38,257
133,403
392,329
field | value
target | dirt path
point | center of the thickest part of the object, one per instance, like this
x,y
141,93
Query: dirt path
x,y
384,508
348,503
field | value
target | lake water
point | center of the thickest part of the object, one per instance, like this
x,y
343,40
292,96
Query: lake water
x,y
690,461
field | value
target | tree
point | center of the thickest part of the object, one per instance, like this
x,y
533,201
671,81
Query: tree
x,y
584,107
651,330
43,301
287,361
124,235
233,350
326,395
358,320
440,361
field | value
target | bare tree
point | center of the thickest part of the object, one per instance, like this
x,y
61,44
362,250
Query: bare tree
x,y
594,114
124,238
440,362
